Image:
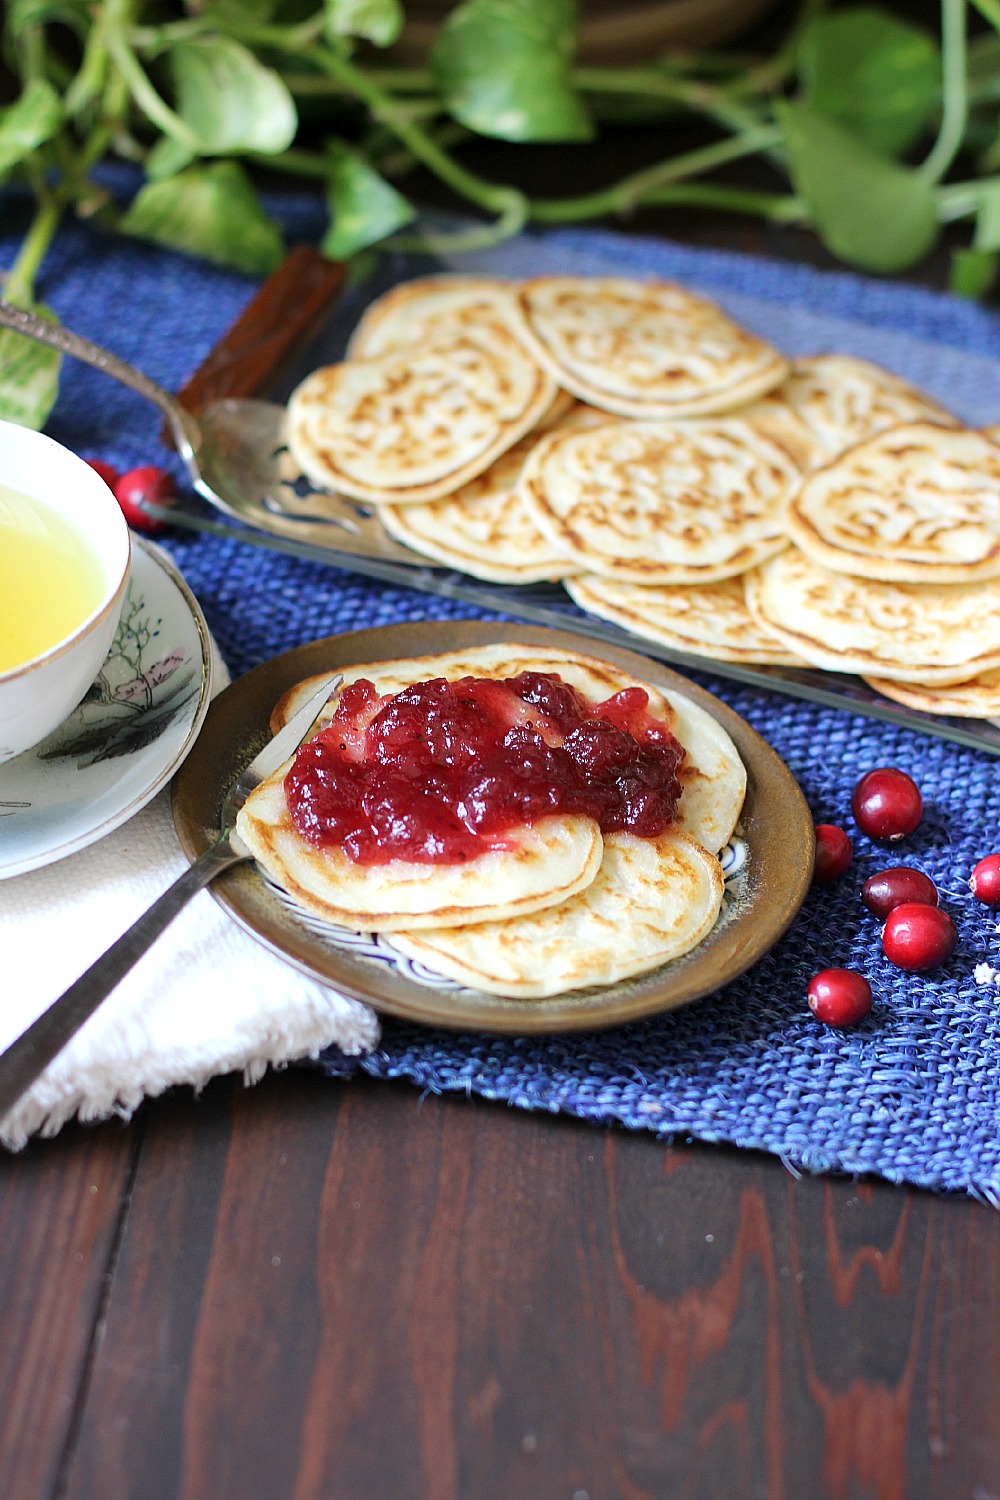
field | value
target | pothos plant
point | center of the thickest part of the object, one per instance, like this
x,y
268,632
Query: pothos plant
x,y
861,115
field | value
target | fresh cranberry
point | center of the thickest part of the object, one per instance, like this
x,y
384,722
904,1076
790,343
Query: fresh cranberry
x,y
839,997
897,887
108,472
918,937
145,484
886,804
984,882
834,853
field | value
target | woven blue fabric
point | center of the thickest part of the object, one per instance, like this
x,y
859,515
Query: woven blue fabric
x,y
913,1094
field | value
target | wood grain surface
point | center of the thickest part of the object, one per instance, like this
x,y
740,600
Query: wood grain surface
x,y
62,1204
323,1291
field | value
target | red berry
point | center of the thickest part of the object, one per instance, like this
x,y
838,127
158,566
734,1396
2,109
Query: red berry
x,y
886,804
985,880
839,997
918,937
147,483
107,472
834,853
897,887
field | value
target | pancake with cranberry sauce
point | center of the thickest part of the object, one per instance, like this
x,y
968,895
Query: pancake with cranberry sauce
x,y
712,775
386,820
540,864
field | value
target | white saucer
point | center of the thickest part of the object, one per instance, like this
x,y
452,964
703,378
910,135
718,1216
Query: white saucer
x,y
128,736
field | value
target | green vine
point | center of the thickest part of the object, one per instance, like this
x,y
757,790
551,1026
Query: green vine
x,y
878,133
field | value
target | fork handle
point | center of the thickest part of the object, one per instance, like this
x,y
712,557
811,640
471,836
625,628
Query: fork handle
x,y
35,1048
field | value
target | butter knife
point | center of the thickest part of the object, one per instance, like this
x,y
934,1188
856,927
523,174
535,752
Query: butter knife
x,y
35,1048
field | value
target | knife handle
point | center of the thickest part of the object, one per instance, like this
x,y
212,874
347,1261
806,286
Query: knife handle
x,y
286,309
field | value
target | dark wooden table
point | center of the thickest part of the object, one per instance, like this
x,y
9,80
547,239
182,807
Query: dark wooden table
x,y
317,1290
344,1290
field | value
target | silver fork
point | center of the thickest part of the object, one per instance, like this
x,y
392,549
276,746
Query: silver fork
x,y
35,1048
235,454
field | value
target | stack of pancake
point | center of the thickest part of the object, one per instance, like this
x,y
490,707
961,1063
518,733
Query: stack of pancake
x,y
561,906
680,477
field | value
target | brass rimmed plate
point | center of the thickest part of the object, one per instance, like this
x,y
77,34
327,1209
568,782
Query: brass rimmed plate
x,y
771,863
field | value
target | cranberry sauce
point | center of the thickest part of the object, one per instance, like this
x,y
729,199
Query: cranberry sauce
x,y
443,771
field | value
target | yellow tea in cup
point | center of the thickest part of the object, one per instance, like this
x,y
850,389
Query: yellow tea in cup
x,y
51,578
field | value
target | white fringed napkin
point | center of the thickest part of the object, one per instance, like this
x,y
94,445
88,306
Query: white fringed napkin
x,y
206,999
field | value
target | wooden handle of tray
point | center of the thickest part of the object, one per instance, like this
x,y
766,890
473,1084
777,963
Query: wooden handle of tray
x,y
287,308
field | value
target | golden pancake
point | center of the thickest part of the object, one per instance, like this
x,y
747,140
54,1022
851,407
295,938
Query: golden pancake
x,y
915,504
661,502
430,308
652,901
707,620
978,698
840,401
484,528
645,348
414,424
777,419
909,632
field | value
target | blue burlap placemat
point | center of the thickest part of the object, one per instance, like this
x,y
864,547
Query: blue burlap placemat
x,y
913,1094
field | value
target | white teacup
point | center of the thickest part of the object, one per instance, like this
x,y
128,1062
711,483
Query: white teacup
x,y
38,693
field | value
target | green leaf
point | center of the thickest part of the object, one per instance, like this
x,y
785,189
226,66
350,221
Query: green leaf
x,y
973,272
875,74
504,69
238,10
361,267
212,212
987,235
29,375
166,158
24,13
228,99
867,210
983,64
28,123
378,21
364,208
